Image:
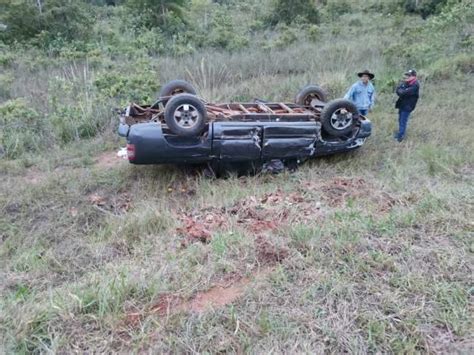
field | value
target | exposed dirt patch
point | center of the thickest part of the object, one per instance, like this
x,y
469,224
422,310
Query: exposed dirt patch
x,y
116,204
198,227
216,297
338,190
268,253
311,202
259,226
34,176
166,304
256,215
109,159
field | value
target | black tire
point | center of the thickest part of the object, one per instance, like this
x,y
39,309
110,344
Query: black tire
x,y
176,87
310,92
336,123
185,115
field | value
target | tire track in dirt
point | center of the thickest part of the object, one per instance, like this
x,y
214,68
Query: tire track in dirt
x,y
219,295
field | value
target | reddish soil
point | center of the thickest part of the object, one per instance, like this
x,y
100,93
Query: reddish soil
x,y
34,176
338,190
258,216
109,160
216,297
198,228
113,203
166,304
277,209
268,253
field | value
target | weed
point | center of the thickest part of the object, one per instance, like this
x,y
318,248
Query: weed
x,y
364,252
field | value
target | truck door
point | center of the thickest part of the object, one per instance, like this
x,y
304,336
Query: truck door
x,y
237,141
289,140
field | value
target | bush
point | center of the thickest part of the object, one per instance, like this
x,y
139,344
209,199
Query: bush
x,y
424,8
22,129
445,68
223,33
289,11
334,9
6,80
165,14
72,123
314,32
287,36
129,84
26,21
6,55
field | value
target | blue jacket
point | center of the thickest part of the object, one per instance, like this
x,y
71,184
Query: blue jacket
x,y
407,96
363,96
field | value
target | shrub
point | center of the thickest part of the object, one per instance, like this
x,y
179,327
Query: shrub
x,y
27,21
424,8
6,80
223,33
445,68
289,11
73,123
22,129
164,14
334,9
314,32
288,35
139,83
440,36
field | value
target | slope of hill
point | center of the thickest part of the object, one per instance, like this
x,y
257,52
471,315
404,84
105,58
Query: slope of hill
x,y
365,252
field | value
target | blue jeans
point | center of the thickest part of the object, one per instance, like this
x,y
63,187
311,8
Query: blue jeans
x,y
363,112
403,117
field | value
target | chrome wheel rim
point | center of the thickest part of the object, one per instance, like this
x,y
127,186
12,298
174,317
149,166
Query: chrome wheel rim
x,y
186,116
341,120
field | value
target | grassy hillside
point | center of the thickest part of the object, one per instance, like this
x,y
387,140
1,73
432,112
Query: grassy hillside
x,y
365,252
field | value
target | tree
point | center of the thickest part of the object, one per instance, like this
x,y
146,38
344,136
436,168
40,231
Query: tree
x,y
424,8
157,12
287,11
27,19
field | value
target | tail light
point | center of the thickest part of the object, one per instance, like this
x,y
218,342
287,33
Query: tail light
x,y
131,152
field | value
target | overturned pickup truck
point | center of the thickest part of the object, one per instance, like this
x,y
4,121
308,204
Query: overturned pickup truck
x,y
182,128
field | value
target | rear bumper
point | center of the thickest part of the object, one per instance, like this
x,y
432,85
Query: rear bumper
x,y
123,130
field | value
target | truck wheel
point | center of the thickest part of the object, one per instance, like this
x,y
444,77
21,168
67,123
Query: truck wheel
x,y
176,87
338,117
185,115
309,93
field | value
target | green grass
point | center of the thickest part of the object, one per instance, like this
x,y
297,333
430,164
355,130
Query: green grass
x,y
383,267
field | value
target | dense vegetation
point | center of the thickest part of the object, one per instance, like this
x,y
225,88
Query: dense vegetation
x,y
376,246
117,50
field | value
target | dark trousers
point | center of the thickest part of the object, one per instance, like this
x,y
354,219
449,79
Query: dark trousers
x,y
403,117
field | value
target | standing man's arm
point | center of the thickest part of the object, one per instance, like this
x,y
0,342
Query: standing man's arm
x,y
408,91
350,94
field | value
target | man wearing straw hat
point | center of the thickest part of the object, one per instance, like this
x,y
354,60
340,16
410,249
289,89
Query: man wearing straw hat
x,y
362,93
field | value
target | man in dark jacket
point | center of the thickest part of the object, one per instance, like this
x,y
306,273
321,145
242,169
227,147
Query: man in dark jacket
x,y
408,92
